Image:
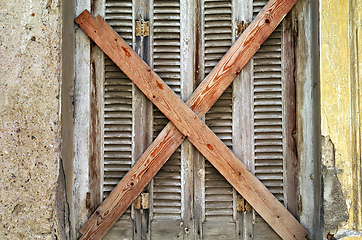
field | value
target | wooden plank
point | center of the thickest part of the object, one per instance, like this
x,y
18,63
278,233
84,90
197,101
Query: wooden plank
x,y
189,124
123,227
212,230
199,160
289,121
187,57
141,117
96,128
243,115
167,230
96,121
263,231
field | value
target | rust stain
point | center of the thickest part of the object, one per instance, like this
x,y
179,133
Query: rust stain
x,y
159,85
126,52
210,147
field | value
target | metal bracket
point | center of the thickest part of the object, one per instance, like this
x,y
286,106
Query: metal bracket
x,y
142,28
243,205
142,201
241,26
87,201
299,203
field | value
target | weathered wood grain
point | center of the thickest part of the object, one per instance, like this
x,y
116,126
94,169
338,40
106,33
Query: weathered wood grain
x,y
96,146
191,126
243,115
289,121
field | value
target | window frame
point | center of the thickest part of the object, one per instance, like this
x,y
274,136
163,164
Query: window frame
x,y
83,117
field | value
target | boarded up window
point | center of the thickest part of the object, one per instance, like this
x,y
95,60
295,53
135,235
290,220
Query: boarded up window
x,y
188,198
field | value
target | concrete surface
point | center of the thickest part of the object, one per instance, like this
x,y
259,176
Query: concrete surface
x,y
31,192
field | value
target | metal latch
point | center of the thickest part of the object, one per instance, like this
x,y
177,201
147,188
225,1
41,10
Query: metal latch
x,y
142,28
141,201
243,205
241,27
299,203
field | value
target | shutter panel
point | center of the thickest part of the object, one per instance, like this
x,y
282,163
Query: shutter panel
x,y
219,218
217,37
166,193
269,120
117,103
268,124
268,115
117,115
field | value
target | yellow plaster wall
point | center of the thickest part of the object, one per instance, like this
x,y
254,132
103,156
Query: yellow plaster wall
x,y
340,49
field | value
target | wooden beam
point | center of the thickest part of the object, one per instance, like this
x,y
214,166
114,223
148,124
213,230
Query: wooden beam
x,y
133,180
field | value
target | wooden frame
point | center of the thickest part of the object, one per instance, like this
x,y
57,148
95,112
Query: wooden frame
x,y
192,130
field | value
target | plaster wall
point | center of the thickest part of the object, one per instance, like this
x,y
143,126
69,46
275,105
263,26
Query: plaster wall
x,y
340,50
31,184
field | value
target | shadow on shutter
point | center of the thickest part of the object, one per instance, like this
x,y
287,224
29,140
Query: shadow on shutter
x,y
118,115
217,35
166,213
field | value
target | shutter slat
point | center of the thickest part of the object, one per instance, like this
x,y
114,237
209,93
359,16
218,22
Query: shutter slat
x,y
268,111
118,14
117,136
217,34
166,63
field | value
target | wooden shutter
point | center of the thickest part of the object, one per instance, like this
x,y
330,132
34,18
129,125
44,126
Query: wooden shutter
x,y
272,68
188,197
219,198
270,154
117,135
268,123
166,185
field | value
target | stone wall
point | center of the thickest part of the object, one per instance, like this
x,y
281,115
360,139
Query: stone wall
x,y
31,186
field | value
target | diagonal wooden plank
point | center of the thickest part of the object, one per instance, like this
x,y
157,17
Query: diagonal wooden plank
x,y
193,137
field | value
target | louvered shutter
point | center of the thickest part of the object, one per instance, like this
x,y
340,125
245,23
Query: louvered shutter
x,y
166,185
271,69
219,219
117,136
188,197
268,121
268,124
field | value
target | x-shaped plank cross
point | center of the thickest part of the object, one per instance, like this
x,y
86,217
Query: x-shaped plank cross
x,y
186,123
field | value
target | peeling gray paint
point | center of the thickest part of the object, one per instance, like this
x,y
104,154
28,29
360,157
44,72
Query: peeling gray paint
x,y
308,115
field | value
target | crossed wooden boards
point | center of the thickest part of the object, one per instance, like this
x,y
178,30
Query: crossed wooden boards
x,y
186,122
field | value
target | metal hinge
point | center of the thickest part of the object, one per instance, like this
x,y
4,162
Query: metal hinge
x,y
141,201
241,26
243,205
299,203
295,29
87,201
142,28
